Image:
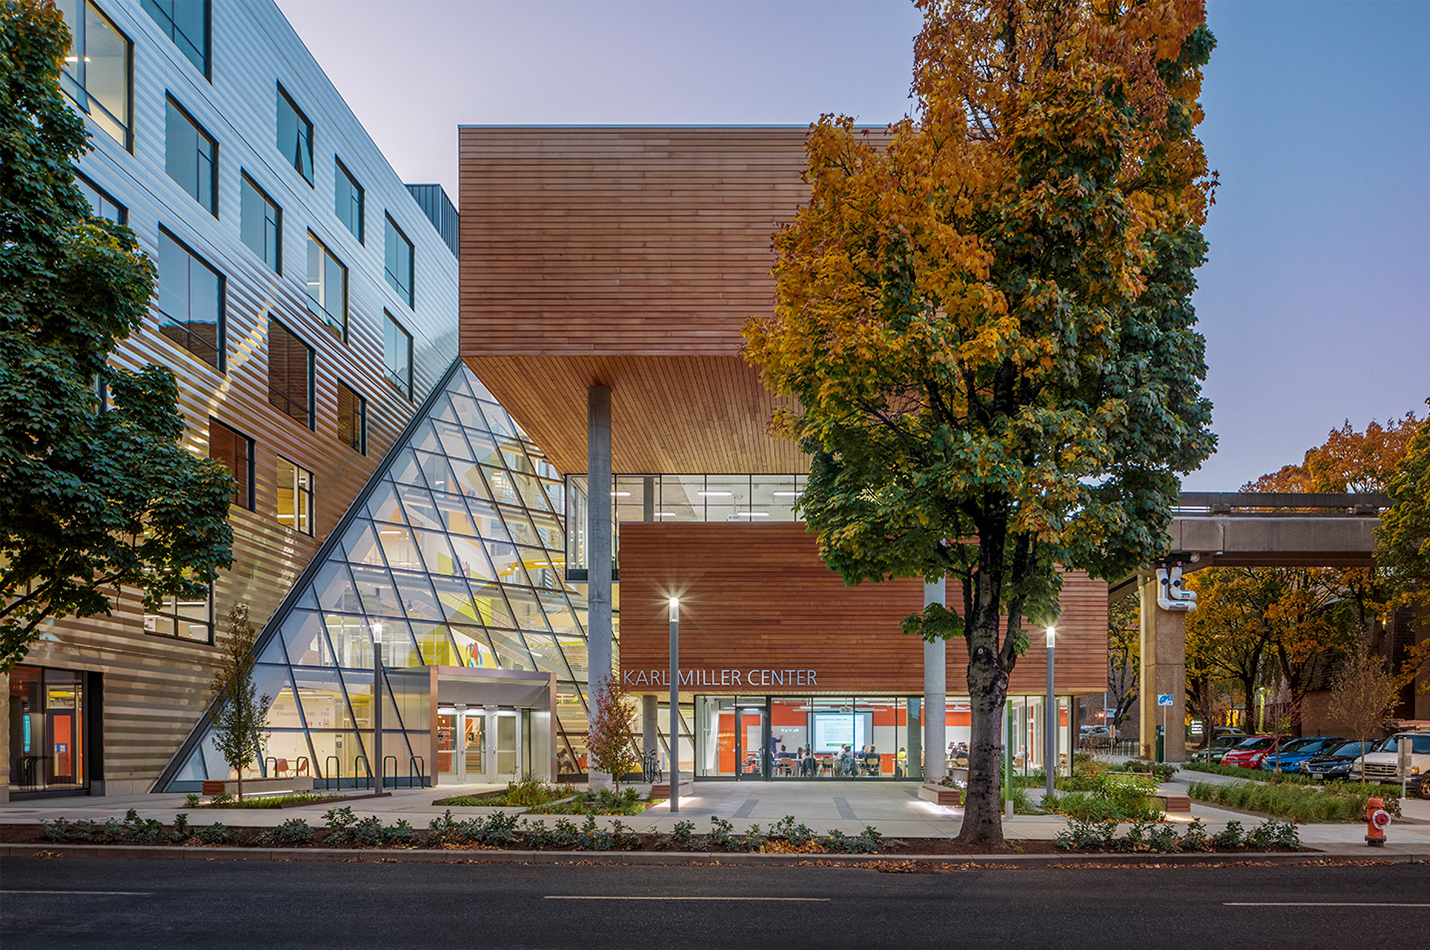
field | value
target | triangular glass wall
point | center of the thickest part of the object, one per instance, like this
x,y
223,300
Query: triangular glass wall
x,y
453,546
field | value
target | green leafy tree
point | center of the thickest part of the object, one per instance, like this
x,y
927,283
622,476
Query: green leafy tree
x,y
1403,539
94,498
985,315
611,736
240,715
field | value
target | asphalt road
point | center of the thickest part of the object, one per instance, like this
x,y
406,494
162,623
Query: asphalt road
x,y
76,904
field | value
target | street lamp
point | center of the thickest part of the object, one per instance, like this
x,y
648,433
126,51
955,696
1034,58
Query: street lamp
x,y
674,705
376,764
1050,738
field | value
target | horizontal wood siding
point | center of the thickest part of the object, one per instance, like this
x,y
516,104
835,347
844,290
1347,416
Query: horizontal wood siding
x,y
628,257
758,597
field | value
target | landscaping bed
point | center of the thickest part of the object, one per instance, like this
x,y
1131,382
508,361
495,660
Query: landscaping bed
x,y
1334,802
499,831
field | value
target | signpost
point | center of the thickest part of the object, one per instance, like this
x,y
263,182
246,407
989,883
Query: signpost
x,y
1163,700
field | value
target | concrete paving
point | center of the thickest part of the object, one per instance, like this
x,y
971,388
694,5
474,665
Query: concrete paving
x,y
893,808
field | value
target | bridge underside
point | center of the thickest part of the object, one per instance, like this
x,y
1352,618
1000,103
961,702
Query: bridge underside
x,y
1237,530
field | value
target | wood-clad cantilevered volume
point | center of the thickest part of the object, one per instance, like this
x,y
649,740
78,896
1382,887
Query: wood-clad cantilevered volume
x,y
628,257
756,599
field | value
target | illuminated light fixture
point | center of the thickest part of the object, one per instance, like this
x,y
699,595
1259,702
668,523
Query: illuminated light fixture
x,y
753,514
665,514
788,494
620,494
713,494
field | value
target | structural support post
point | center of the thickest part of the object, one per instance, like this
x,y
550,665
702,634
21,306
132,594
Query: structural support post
x,y
935,695
598,533
650,725
1164,671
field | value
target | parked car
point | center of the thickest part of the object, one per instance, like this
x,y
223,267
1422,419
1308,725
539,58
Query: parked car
x,y
1249,752
1334,765
1381,764
1292,753
1220,746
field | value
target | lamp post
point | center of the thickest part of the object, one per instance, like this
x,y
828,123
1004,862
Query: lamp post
x,y
675,705
376,763
1050,739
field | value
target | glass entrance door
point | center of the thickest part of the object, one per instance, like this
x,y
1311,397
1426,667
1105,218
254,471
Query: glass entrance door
x,y
508,745
753,753
474,746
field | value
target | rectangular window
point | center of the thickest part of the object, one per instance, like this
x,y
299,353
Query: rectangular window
x,y
348,199
295,496
101,203
327,288
183,620
397,355
352,418
235,450
290,374
191,295
99,70
186,22
191,156
399,262
261,223
295,136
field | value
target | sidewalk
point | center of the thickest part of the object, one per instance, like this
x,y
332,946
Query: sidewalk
x,y
893,808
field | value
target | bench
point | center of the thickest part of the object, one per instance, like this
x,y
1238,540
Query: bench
x,y
1176,804
941,794
662,789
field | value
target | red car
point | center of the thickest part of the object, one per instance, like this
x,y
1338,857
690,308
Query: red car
x,y
1250,751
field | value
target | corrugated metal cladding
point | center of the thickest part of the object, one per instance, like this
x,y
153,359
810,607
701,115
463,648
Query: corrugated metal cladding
x,y
154,688
438,207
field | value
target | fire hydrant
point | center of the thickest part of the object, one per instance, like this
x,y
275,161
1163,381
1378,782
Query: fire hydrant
x,y
1376,818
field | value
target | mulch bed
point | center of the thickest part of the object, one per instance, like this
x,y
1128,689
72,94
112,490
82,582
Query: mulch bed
x,y
889,847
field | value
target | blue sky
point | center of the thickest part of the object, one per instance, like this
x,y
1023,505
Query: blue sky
x,y
1316,299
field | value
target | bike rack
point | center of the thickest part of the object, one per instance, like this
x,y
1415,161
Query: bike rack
x,y
383,783
328,773
264,773
414,770
367,764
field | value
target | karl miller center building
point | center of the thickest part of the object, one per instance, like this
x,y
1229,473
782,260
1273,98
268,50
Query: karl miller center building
x,y
499,446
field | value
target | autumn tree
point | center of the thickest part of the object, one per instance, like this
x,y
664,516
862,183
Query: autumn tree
x,y
985,315
94,497
1363,692
611,734
239,714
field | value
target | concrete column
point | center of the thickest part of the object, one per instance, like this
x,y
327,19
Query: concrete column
x,y
598,534
648,500
1164,670
650,724
935,695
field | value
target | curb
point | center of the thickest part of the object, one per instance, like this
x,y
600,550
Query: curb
x,y
119,852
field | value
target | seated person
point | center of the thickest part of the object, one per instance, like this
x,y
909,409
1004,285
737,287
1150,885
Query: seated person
x,y
873,765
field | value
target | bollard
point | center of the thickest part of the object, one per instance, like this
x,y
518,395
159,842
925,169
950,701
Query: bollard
x,y
1376,819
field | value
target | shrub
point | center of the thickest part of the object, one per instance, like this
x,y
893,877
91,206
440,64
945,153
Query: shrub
x,y
684,835
1336,802
291,833
398,835
594,837
719,836
181,828
216,833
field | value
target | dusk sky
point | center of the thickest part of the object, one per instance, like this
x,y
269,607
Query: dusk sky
x,y
1316,299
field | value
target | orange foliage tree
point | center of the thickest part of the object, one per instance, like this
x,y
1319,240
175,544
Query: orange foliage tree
x,y
985,315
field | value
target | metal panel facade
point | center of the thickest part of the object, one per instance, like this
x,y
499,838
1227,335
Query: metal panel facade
x,y
154,688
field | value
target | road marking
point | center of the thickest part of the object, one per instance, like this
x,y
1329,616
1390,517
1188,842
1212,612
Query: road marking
x,y
1316,904
124,893
622,897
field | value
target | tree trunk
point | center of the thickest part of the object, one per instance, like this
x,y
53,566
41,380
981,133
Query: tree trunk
x,y
982,807
240,783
